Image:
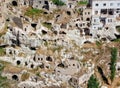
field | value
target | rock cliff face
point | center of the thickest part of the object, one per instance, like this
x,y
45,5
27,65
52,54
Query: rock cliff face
x,y
44,45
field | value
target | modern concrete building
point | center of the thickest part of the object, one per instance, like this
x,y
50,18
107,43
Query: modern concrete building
x,y
105,14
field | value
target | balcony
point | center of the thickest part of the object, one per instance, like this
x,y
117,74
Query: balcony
x,y
107,12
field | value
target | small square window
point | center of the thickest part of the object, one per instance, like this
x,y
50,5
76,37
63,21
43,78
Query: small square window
x,y
96,12
109,20
96,4
80,25
83,24
111,4
117,11
104,4
118,4
39,1
94,20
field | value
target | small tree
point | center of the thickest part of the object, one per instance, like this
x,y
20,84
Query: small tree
x,y
58,2
92,82
113,63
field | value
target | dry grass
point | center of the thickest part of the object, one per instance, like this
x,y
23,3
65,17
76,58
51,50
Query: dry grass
x,y
12,69
25,76
3,31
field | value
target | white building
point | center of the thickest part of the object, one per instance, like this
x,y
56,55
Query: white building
x,y
43,4
105,14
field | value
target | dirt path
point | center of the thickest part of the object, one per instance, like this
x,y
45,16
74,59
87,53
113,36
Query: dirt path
x,y
115,82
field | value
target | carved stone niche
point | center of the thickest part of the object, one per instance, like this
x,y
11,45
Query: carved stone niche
x,y
14,3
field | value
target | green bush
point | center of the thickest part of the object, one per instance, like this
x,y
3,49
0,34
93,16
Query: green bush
x,y
1,68
98,43
2,51
113,63
82,3
33,12
58,2
92,82
47,25
116,40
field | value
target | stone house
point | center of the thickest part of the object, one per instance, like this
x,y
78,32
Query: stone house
x,y
81,24
84,22
45,62
71,4
25,3
25,62
73,81
68,67
11,51
52,6
34,42
87,14
39,58
79,80
12,73
27,27
41,4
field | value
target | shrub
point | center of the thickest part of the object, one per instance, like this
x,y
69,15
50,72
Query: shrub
x,y
116,40
47,25
93,83
1,68
33,12
58,2
82,3
2,51
113,63
98,43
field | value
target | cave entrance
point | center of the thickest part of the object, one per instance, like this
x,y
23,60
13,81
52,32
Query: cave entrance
x,y
14,3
